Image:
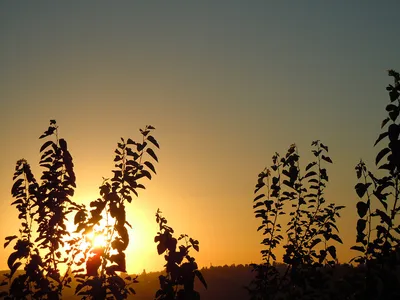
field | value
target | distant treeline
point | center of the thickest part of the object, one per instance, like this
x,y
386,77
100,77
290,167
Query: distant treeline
x,y
224,282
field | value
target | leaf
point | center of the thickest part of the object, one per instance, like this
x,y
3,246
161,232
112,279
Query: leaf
x,y
200,276
381,154
150,166
381,198
391,107
362,209
286,182
258,197
326,158
12,258
161,248
324,147
15,186
384,217
361,188
45,145
258,204
322,255
358,248
152,154
332,251
361,224
384,122
144,132
140,147
394,132
9,239
260,227
336,238
393,115
314,243
63,144
146,173
393,94
381,230
310,165
312,173
79,217
153,141
14,268
49,131
381,136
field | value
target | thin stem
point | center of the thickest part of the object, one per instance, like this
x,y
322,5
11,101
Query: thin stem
x,y
273,225
369,218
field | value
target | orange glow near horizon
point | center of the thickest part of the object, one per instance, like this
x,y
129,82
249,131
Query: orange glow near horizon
x,y
141,252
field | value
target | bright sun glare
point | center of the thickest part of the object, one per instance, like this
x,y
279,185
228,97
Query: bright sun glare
x,y
97,240
141,241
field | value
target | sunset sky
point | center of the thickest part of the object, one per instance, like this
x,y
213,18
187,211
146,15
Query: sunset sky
x,y
225,83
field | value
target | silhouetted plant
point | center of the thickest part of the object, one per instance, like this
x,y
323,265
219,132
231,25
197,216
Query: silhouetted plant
x,y
179,280
310,229
45,207
377,232
101,279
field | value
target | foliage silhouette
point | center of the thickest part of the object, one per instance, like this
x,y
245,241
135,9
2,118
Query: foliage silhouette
x,y
46,206
284,198
311,229
309,273
179,273
101,279
377,234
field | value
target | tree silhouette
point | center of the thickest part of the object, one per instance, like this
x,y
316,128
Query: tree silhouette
x,y
310,272
46,207
179,280
310,230
377,232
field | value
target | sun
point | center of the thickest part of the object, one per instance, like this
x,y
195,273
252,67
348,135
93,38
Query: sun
x,y
97,240
141,230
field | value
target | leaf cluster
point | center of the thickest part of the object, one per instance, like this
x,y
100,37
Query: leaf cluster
x,y
100,278
378,231
46,207
283,190
181,268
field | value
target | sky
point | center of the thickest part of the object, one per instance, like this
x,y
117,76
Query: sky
x,y
226,84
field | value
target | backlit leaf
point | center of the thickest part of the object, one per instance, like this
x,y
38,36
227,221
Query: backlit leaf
x,y
384,122
152,154
381,136
381,154
153,141
326,158
358,248
200,276
362,209
361,188
150,166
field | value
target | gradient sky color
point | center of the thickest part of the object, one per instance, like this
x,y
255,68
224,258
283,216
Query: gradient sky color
x,y
226,84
